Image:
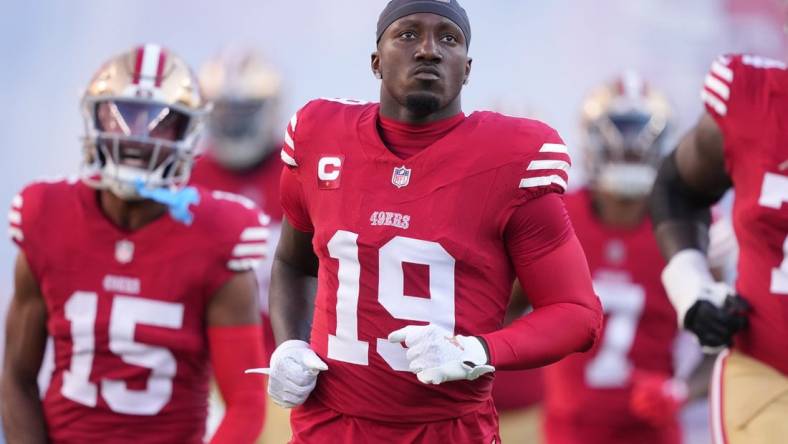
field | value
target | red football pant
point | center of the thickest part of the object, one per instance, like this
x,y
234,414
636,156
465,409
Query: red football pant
x,y
564,432
314,423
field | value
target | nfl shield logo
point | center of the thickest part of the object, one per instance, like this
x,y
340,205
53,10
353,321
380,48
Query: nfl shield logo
x,y
401,176
124,251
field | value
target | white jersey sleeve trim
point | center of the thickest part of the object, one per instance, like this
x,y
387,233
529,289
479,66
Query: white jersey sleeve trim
x,y
554,148
256,249
715,103
17,201
718,87
541,181
15,217
243,264
722,71
286,158
548,165
16,234
255,234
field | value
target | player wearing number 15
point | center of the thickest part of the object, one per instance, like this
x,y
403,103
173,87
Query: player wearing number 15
x,y
741,142
416,219
141,304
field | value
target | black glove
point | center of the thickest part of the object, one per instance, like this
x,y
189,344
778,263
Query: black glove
x,y
715,326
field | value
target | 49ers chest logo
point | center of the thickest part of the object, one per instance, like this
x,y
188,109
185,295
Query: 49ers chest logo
x,y
329,170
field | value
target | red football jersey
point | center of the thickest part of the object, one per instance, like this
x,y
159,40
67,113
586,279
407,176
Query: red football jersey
x,y
126,310
411,241
639,328
261,186
748,97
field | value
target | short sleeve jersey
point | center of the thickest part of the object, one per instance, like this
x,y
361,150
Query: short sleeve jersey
x,y
127,310
408,242
261,186
639,325
748,98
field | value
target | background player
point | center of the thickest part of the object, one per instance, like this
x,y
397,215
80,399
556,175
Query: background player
x,y
242,151
625,390
419,215
136,300
739,142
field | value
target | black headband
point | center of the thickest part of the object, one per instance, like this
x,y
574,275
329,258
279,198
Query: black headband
x,y
451,9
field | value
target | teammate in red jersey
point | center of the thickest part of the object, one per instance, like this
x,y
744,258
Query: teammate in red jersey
x,y
242,149
623,391
741,142
141,304
419,218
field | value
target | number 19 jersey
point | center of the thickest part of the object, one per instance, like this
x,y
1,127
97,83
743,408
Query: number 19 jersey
x,y
412,241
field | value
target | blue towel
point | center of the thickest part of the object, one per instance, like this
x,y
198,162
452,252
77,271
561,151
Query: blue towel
x,y
178,202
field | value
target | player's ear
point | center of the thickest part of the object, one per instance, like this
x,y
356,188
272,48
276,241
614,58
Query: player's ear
x,y
375,64
468,64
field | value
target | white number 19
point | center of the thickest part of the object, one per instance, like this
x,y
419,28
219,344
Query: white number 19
x,y
438,309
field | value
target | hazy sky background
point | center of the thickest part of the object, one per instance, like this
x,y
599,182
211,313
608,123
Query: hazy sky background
x,y
539,57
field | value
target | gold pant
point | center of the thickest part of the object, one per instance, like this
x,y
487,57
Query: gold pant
x,y
749,401
521,426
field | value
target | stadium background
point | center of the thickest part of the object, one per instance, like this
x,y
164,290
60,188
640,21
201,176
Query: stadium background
x,y
530,57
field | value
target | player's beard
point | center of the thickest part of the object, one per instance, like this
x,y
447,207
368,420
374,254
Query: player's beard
x,y
422,104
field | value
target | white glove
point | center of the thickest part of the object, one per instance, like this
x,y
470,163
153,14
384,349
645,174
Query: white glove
x,y
293,373
687,279
436,356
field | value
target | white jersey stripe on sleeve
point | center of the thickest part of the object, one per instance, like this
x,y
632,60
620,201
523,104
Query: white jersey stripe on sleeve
x,y
718,86
716,104
16,234
293,122
286,158
722,71
243,264
256,249
255,234
15,217
17,201
541,181
548,165
289,140
554,148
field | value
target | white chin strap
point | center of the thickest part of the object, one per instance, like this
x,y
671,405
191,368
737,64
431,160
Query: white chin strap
x,y
626,179
121,180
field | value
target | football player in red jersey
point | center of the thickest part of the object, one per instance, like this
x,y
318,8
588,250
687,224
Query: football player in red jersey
x,y
416,218
623,390
741,142
243,143
144,285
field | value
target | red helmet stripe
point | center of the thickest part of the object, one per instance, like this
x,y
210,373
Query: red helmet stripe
x,y
138,65
160,67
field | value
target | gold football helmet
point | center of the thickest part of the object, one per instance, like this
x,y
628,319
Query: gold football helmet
x,y
143,113
245,92
624,126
